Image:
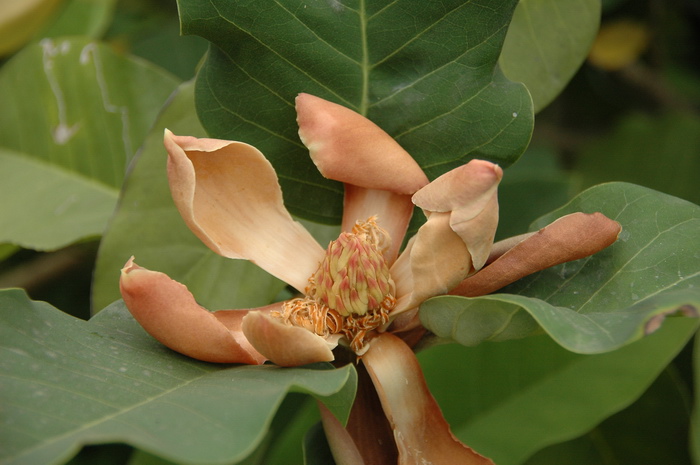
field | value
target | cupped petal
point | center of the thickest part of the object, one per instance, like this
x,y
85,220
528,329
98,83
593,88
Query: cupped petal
x,y
283,344
469,192
229,196
421,432
435,261
347,147
169,313
571,237
393,212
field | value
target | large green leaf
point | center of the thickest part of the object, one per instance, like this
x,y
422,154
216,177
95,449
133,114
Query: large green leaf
x,y
426,73
67,382
151,30
288,443
517,397
546,44
83,113
63,203
601,302
148,226
652,430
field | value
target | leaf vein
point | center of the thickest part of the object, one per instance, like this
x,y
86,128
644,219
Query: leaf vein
x,y
281,56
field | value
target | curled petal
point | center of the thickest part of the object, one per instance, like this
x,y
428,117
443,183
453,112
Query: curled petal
x,y
503,246
438,261
571,237
421,433
283,344
169,313
229,196
348,147
470,193
393,212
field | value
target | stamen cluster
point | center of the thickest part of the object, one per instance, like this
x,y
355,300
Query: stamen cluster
x,y
352,292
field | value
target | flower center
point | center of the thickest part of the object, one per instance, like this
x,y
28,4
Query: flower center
x,y
351,292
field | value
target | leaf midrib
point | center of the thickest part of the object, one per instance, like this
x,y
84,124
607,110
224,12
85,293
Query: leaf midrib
x,y
364,65
101,420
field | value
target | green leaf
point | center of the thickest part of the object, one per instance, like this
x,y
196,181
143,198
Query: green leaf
x,y
289,429
601,302
426,73
67,382
517,397
471,321
61,206
652,430
151,30
74,116
147,225
546,44
81,17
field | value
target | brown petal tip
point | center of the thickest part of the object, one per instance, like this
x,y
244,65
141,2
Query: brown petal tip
x,y
347,147
569,238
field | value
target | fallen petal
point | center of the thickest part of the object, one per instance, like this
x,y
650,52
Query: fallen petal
x,y
347,147
229,196
470,193
421,433
571,237
169,313
283,344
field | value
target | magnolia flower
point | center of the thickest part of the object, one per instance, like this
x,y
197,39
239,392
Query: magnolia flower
x,y
359,292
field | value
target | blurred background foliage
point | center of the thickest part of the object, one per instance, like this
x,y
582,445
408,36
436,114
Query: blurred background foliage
x,y
631,113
